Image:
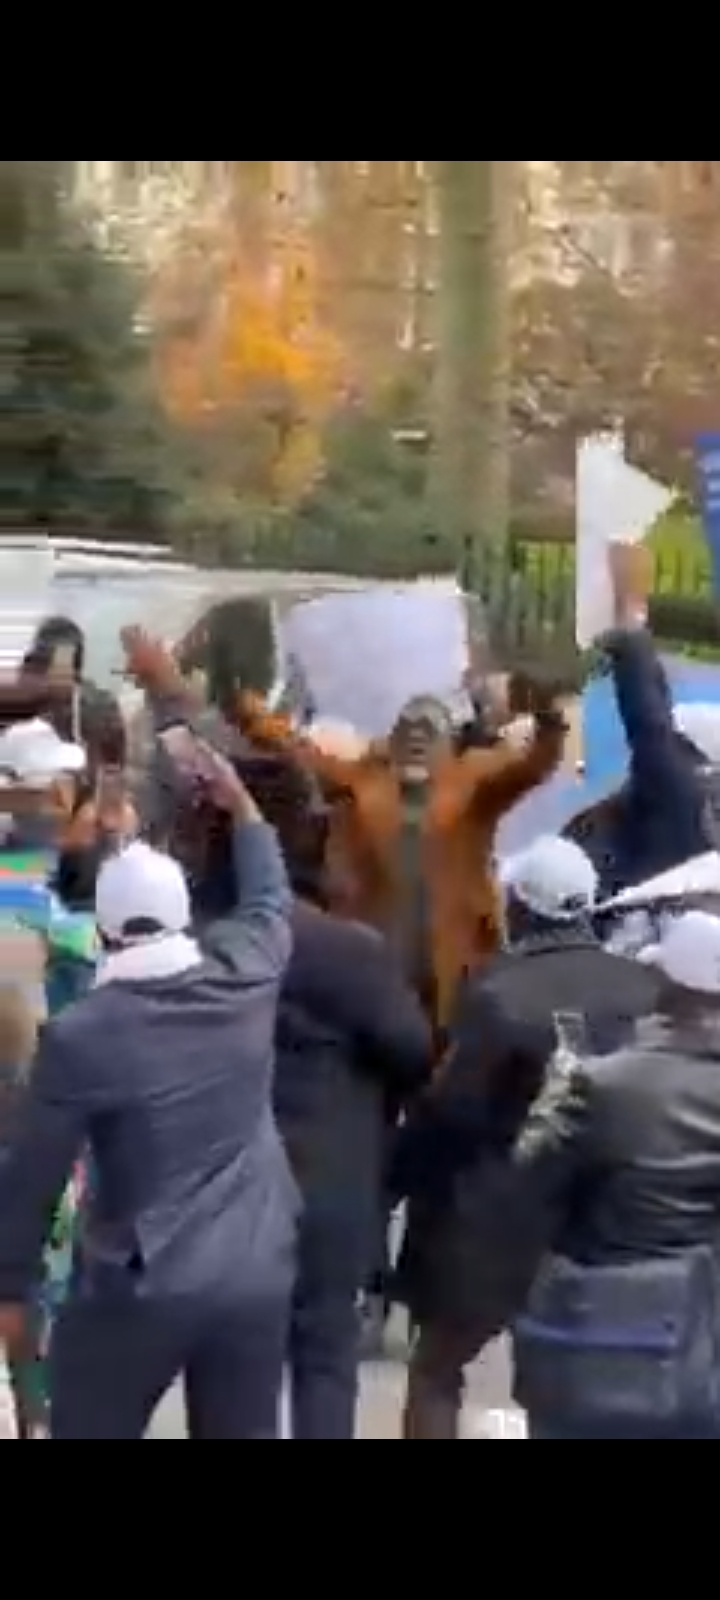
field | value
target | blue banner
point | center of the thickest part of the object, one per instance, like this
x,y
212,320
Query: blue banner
x,y
708,455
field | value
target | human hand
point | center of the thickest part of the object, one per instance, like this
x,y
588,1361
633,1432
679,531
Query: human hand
x,y
228,792
632,570
149,662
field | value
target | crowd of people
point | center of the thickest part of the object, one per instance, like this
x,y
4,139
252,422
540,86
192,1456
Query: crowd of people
x,y
319,999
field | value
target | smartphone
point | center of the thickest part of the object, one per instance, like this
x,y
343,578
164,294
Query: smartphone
x,y
111,789
195,762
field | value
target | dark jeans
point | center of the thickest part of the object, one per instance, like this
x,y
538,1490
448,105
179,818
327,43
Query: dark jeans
x,y
436,1388
324,1357
112,1364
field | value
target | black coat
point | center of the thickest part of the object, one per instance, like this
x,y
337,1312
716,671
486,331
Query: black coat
x,y
622,1159
351,1038
471,1248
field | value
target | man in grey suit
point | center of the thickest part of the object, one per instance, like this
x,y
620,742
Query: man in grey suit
x,y
164,1073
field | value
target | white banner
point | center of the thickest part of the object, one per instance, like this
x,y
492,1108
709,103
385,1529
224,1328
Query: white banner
x,y
616,504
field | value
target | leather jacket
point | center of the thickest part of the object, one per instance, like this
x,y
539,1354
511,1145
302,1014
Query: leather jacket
x,y
625,1152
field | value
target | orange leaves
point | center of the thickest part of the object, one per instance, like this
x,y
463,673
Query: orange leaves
x,y
259,355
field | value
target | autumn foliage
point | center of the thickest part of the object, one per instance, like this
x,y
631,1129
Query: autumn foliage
x,y
246,361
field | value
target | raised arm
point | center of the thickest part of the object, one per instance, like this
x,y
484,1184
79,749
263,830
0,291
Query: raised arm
x,y
256,940
493,781
641,685
556,1143
271,730
168,695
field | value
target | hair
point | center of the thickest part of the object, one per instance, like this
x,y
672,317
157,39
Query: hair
x,y
290,803
51,635
77,874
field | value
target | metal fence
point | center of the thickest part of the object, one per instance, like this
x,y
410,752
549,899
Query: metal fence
x,y
529,593
528,586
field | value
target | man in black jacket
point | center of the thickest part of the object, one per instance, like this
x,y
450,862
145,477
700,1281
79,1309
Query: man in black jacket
x,y
620,1162
352,1037
454,1157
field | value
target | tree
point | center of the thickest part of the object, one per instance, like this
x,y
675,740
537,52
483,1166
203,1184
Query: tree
x,y
82,439
476,203
247,364
623,325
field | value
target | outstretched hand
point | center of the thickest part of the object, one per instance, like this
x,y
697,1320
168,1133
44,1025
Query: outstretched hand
x,y
148,661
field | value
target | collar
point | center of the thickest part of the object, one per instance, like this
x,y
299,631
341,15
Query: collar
x,y
170,956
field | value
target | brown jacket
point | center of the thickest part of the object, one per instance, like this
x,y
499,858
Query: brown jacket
x,y
471,794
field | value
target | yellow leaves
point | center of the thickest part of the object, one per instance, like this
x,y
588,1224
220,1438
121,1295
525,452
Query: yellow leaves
x,y
260,343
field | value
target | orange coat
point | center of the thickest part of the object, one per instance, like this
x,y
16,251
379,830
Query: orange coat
x,y
470,796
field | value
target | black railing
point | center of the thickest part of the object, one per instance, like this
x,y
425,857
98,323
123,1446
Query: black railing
x,y
528,587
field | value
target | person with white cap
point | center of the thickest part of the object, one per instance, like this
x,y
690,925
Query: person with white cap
x,y
165,1074
40,775
620,1161
470,1252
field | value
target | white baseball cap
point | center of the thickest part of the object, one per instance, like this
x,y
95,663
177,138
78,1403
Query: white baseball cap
x,y
142,885
689,954
33,753
554,878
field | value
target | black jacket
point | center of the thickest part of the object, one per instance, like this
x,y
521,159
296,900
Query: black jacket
x,y
471,1248
351,1037
623,1158
664,814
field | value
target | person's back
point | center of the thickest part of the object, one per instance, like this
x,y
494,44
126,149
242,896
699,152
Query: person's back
x,y
179,1127
657,1132
344,1050
165,1072
351,1037
620,1162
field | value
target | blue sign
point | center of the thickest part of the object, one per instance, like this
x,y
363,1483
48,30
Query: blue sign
x,y
708,455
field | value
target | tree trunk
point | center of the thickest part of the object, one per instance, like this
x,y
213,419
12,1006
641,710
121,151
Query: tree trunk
x,y
471,438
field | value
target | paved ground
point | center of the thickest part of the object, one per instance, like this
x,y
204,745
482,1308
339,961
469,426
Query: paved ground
x,y
489,1414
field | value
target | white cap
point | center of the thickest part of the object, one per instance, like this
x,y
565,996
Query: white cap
x,y
142,885
689,955
700,725
33,753
554,878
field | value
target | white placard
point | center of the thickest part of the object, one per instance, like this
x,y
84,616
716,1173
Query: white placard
x,y
616,504
367,654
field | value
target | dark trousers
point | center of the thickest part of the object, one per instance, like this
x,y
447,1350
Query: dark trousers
x,y
112,1364
324,1356
436,1387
